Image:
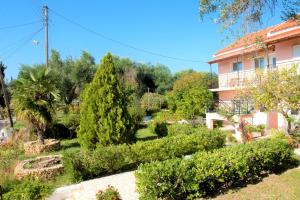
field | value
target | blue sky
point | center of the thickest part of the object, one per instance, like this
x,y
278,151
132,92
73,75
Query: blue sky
x,y
168,27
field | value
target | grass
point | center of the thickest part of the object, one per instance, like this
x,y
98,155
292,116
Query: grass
x,y
144,134
11,155
284,186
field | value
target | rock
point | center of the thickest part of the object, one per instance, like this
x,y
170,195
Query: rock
x,y
34,147
42,168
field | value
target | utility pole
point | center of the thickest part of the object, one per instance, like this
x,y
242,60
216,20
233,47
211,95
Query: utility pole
x,y
45,11
148,99
5,95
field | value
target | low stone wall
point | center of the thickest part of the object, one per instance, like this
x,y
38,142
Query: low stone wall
x,y
34,147
44,172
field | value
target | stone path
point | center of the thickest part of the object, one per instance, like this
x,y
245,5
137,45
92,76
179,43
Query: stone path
x,y
124,182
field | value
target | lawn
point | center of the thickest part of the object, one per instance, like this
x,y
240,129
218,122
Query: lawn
x,y
145,134
283,186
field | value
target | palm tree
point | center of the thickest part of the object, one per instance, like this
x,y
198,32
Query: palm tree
x,y
34,97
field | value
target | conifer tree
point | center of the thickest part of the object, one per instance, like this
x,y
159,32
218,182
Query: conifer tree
x,y
104,116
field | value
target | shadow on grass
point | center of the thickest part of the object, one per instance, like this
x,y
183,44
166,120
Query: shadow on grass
x,y
235,187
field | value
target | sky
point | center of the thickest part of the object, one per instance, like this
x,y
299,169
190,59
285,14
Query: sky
x,y
172,28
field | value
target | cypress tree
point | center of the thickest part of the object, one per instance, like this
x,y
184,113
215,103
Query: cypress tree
x,y
104,117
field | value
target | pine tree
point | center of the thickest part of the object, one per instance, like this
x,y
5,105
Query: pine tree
x,y
104,116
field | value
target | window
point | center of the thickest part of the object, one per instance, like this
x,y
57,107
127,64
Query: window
x,y
259,63
296,51
272,61
238,66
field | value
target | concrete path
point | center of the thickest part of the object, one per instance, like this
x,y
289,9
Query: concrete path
x,y
297,151
124,182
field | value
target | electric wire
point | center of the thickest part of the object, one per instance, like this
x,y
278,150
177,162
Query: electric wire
x,y
119,42
19,25
16,49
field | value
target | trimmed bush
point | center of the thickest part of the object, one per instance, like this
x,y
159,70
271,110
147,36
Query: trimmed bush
x,y
28,189
187,129
82,165
210,172
159,128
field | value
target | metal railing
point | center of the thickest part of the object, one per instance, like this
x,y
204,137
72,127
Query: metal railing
x,y
243,77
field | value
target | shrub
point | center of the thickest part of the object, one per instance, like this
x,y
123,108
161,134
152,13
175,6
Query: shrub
x,y
104,117
153,102
110,193
82,165
186,129
28,189
159,128
209,172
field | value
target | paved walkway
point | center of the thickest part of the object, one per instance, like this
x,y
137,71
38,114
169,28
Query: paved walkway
x,y
124,182
297,151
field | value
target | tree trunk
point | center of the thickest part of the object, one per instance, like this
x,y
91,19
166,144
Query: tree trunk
x,y
287,117
40,137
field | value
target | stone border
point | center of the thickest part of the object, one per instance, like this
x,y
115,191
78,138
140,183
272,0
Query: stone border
x,y
33,147
45,173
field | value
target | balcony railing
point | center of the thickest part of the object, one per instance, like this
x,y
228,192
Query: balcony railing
x,y
244,77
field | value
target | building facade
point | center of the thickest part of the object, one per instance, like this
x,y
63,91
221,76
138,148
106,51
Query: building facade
x,y
272,48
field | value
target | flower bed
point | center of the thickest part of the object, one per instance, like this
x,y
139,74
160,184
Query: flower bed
x,y
208,172
44,168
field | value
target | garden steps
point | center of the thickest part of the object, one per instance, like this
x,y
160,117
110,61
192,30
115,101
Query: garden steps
x,y
86,190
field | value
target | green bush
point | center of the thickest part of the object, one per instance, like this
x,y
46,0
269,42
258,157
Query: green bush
x,y
82,165
159,128
28,190
153,102
187,129
209,172
109,193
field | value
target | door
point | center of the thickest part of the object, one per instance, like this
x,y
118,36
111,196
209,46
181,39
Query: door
x,y
273,120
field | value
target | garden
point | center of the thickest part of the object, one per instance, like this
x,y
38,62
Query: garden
x,y
75,121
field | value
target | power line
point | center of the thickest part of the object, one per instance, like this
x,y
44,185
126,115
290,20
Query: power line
x,y
18,25
23,44
119,42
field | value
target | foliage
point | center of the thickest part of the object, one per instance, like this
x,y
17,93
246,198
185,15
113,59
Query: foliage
x,y
246,13
82,165
159,128
184,129
195,102
35,97
190,95
110,193
72,74
29,189
153,102
251,128
277,90
104,116
208,172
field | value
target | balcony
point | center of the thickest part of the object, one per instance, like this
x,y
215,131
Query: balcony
x,y
239,79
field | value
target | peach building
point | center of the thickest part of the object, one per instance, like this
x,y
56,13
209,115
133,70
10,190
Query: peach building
x,y
271,48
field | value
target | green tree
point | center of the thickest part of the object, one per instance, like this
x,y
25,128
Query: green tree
x,y
195,102
72,74
35,97
248,12
277,90
153,101
104,116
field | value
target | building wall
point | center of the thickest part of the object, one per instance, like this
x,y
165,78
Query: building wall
x,y
227,95
284,50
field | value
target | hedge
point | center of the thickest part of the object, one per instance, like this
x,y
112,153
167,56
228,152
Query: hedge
x,y
209,172
84,164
